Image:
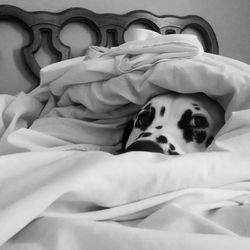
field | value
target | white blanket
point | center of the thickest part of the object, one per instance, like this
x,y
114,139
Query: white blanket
x,y
63,185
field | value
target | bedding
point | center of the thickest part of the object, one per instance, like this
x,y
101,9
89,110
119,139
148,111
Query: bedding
x,y
65,186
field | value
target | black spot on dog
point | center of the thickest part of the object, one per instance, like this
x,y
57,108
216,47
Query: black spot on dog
x,y
162,139
171,146
146,134
196,106
200,136
184,125
158,127
145,118
209,140
162,112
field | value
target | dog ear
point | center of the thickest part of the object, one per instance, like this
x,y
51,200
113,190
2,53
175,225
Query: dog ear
x,y
129,127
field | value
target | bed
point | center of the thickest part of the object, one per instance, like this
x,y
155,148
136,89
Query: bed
x,y
64,184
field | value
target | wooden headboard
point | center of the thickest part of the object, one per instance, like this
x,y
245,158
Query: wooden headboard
x,y
108,28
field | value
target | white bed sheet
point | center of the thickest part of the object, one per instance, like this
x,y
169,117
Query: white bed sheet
x,y
63,187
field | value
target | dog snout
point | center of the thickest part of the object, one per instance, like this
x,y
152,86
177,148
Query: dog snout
x,y
145,145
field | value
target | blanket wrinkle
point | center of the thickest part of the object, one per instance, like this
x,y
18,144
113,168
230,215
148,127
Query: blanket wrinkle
x,y
172,43
175,219
58,147
145,207
115,236
18,113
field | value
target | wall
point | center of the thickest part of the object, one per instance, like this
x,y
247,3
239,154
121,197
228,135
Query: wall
x,y
230,19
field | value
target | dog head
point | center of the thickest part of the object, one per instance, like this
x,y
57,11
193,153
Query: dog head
x,y
174,124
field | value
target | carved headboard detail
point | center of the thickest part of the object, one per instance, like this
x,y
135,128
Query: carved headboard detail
x,y
108,28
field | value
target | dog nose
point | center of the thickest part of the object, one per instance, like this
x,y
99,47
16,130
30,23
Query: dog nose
x,y
145,145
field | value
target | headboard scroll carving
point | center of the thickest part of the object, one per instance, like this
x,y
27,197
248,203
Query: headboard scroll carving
x,y
109,28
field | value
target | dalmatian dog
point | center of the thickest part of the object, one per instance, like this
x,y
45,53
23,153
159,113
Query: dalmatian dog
x,y
174,124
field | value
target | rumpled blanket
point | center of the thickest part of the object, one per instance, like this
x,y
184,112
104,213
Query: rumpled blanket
x,y
63,184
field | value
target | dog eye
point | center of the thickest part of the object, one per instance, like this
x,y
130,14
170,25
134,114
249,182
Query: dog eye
x,y
144,117
198,121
